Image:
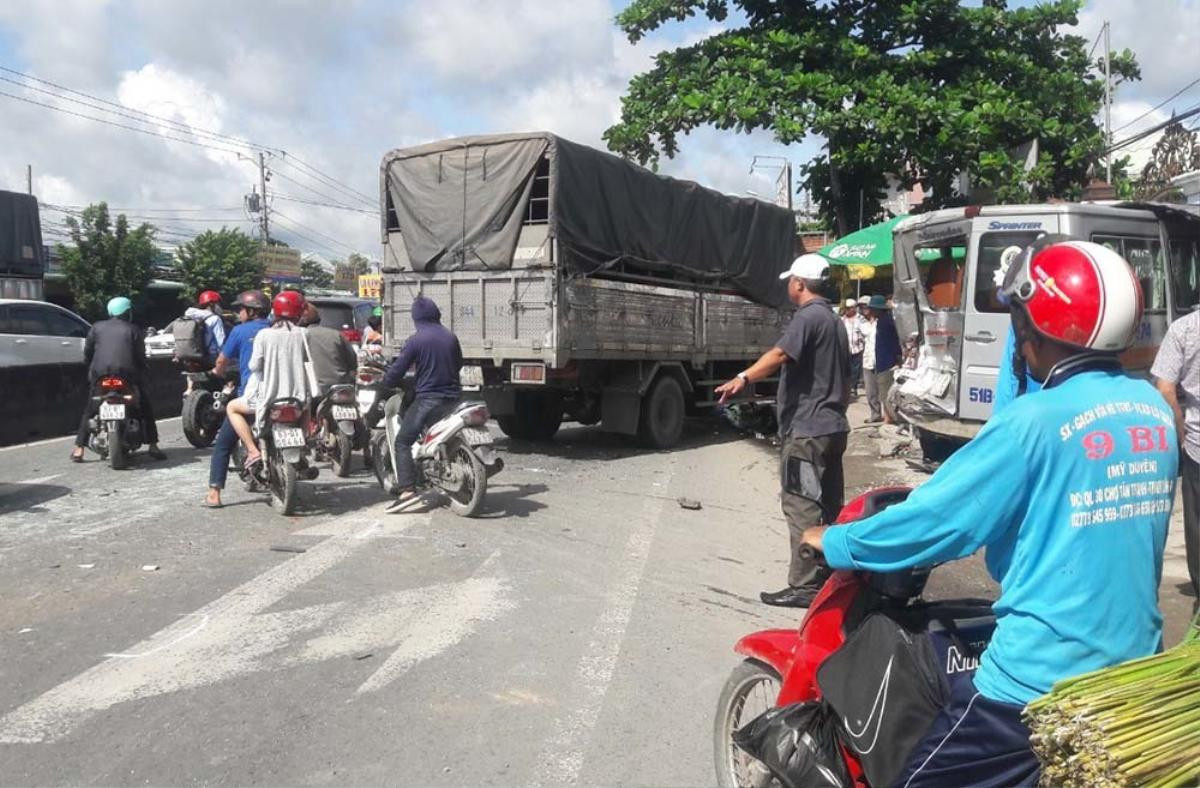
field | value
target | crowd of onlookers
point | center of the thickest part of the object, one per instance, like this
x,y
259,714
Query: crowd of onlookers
x,y
875,352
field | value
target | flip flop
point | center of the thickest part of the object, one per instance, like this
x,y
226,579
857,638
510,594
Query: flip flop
x,y
211,505
401,505
76,458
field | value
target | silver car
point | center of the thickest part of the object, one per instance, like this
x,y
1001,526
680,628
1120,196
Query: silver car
x,y
38,332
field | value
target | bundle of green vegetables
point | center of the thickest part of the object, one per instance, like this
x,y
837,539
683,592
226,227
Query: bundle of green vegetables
x,y
1137,723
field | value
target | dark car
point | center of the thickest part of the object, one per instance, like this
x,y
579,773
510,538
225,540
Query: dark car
x,y
348,315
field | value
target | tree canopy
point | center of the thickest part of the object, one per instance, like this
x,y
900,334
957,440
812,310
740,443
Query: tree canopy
x,y
924,90
314,274
106,259
224,260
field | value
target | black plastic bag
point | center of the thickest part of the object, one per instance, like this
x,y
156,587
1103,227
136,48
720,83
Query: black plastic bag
x,y
798,743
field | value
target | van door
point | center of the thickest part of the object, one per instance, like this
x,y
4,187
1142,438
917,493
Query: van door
x,y
986,324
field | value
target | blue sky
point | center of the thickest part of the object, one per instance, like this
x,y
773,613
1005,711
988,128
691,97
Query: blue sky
x,y
340,83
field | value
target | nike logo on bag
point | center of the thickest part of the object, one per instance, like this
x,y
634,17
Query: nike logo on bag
x,y
877,708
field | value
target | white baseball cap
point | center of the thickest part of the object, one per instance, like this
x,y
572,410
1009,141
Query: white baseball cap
x,y
850,302
807,266
864,301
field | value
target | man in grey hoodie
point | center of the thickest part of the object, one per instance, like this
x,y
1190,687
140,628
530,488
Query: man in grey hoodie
x,y
435,355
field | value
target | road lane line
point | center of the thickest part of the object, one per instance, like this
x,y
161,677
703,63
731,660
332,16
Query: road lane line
x,y
562,756
38,480
203,623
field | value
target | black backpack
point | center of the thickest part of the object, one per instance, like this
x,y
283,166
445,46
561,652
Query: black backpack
x,y
190,343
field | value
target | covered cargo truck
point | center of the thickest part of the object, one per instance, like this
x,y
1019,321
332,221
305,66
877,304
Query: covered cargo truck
x,y
22,257
579,284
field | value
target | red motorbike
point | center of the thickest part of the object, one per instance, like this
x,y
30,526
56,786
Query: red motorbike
x,y
781,665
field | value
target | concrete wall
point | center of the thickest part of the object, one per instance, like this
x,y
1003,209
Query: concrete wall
x,y
46,400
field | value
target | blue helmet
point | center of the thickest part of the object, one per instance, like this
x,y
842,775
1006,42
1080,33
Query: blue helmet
x,y
119,306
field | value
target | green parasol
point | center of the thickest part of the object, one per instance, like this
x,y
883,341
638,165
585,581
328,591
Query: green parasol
x,y
868,246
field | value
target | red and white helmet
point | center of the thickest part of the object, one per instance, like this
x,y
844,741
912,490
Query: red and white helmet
x,y
1078,293
288,305
209,297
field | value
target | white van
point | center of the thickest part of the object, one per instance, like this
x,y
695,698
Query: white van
x,y
945,296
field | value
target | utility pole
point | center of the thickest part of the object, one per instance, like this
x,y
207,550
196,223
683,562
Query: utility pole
x,y
29,178
1107,106
257,202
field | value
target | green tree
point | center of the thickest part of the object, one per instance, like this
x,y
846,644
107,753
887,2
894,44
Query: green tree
x,y
924,89
224,260
1175,153
106,259
314,274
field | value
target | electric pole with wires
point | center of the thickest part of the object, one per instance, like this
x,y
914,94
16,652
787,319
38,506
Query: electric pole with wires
x,y
256,201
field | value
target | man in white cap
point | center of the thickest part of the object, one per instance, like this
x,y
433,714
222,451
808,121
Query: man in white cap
x,y
854,335
813,359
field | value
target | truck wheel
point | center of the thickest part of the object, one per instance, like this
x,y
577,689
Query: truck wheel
x,y
661,422
537,417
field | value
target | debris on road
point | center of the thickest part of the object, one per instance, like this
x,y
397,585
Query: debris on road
x,y
364,655
86,566
25,630
149,567
689,503
287,548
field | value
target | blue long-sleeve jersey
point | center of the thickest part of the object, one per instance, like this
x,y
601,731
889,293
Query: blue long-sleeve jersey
x,y
1070,490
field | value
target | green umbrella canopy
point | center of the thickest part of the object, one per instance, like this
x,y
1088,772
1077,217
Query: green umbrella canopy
x,y
868,246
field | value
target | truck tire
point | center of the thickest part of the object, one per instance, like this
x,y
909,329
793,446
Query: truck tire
x,y
660,424
537,416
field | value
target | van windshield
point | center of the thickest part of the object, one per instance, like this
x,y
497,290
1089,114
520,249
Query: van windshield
x,y
991,247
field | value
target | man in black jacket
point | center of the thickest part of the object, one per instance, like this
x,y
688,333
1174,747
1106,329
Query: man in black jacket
x,y
116,347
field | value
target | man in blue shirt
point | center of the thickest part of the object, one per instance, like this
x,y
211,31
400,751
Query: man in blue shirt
x,y
1070,490
252,310
434,352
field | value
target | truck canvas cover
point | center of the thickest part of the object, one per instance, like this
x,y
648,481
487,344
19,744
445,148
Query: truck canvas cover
x,y
20,235
459,204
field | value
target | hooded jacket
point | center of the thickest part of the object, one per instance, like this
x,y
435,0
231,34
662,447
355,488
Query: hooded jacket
x,y
433,350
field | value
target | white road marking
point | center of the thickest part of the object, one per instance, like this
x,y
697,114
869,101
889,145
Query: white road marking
x,y
47,441
562,756
238,637
39,479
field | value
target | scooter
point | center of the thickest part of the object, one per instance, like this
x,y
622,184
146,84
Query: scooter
x,y
454,455
340,428
285,444
781,665
115,431
204,404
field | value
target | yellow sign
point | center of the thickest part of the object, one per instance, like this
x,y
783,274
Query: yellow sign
x,y
861,271
370,286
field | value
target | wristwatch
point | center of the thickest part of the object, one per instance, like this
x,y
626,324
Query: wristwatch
x,y
744,377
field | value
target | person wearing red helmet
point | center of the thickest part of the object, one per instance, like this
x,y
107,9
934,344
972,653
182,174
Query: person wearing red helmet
x,y
1068,488
276,370
207,312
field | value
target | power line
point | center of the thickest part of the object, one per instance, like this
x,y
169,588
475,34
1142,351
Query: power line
x,y
351,191
289,198
344,191
1141,135
118,125
315,243
184,126
316,232
289,179
1176,95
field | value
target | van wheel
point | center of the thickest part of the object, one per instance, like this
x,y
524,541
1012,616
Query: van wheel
x,y
660,424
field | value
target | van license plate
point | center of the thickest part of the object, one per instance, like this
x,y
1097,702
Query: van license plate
x,y
344,413
111,412
474,436
288,437
471,376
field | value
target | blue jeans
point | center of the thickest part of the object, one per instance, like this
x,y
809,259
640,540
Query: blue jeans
x,y
223,446
424,411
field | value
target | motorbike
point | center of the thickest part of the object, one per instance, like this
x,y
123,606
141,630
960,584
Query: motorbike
x,y
781,665
204,405
116,428
284,439
340,428
454,455
371,396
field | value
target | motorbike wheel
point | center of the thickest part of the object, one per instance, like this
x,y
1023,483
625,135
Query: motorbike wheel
x,y
750,690
196,428
283,485
466,500
117,458
381,463
342,454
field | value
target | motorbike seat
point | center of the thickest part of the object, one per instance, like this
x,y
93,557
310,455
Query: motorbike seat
x,y
468,405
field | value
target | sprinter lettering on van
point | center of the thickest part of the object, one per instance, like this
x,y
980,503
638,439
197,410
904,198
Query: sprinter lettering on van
x,y
1014,225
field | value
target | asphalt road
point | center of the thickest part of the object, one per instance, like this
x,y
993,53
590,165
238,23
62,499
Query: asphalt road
x,y
579,632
